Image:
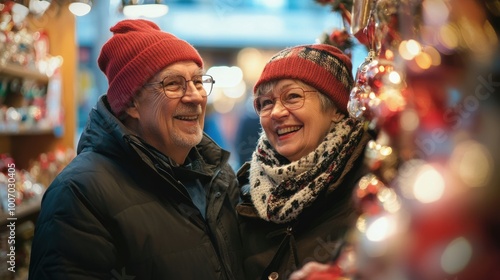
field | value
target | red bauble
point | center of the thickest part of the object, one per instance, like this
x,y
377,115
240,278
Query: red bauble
x,y
332,273
376,73
366,195
340,38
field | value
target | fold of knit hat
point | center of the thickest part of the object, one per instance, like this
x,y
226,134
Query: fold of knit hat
x,y
137,51
321,66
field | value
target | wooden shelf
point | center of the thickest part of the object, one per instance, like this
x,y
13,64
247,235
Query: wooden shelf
x,y
14,70
26,131
22,211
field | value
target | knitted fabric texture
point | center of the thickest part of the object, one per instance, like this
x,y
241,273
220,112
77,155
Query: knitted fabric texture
x,y
281,190
137,51
322,66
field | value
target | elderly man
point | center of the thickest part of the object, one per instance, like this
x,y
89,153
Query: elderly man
x,y
148,196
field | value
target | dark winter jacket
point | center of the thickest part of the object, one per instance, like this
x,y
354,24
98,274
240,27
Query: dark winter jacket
x,y
118,212
316,235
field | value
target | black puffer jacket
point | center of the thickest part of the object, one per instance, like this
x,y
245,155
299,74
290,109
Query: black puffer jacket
x,y
116,212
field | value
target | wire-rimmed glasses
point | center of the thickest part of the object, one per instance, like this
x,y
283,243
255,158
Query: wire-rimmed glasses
x,y
176,86
291,99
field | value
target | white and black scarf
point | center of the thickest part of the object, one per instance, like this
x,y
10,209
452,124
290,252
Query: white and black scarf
x,y
281,189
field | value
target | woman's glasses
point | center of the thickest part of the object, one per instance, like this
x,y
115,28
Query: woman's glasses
x,y
291,99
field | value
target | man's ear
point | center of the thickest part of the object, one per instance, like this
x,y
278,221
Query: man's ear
x,y
132,110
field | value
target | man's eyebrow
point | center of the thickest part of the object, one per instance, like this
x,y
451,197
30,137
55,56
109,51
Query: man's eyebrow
x,y
199,72
170,72
177,73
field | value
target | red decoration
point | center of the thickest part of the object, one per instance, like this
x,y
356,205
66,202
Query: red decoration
x,y
365,195
332,273
339,38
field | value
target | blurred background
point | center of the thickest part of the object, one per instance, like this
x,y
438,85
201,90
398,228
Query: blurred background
x,y
427,87
235,39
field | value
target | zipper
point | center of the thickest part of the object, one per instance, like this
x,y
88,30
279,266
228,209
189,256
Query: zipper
x,y
181,189
223,252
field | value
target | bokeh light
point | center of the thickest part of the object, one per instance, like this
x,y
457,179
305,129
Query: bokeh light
x,y
429,185
456,256
472,163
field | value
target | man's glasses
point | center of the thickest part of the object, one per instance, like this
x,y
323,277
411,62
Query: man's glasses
x,y
175,86
291,99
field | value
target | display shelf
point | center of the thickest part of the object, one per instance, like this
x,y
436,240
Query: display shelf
x,y
23,211
27,141
26,131
14,70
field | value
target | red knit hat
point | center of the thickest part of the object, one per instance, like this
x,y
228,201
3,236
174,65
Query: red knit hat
x,y
321,66
137,51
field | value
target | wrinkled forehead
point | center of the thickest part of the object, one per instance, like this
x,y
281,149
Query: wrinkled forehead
x,y
184,68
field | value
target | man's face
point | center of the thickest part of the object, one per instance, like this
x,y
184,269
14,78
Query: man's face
x,y
172,125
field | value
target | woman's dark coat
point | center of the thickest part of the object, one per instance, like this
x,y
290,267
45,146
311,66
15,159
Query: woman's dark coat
x,y
316,235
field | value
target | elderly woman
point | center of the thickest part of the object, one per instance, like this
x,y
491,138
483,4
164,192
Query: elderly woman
x,y
297,188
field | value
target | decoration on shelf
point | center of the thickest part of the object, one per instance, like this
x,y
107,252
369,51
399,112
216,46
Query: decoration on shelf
x,y
14,38
31,184
26,66
425,207
20,46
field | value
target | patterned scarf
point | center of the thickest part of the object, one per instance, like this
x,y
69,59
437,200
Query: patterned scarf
x,y
281,189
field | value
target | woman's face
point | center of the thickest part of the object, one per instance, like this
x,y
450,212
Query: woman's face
x,y
295,133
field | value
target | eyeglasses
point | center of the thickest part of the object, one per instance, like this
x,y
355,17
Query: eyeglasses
x,y
292,99
175,86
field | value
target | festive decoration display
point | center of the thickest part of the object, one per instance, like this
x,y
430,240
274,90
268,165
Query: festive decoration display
x,y
21,46
428,208
30,184
26,102
339,38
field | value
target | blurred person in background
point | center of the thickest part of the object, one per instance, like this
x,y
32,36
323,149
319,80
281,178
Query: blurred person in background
x,y
297,189
149,195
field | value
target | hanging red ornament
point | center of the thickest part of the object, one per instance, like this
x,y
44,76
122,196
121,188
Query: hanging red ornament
x,y
332,273
363,23
376,74
386,97
378,93
357,105
366,195
358,100
339,38
387,21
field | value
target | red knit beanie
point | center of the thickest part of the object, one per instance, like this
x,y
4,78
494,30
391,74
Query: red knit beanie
x,y
321,66
137,51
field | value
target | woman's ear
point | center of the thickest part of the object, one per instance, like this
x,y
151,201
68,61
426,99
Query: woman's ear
x,y
337,116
